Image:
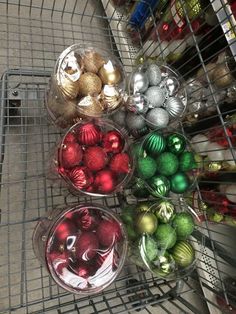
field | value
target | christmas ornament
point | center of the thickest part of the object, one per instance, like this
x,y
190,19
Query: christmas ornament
x,y
230,193
134,122
221,76
64,230
87,219
200,143
215,152
179,183
183,224
86,246
229,157
164,211
148,248
127,215
132,235
154,143
90,106
146,167
163,265
167,163
120,163
70,155
119,117
138,104
165,236
175,143
113,142
95,158
110,74
143,207
82,269
154,74
187,161
139,188
160,186
88,134
110,98
172,85
92,61
89,84
69,88
183,253
108,232
137,150
155,96
146,222
174,106
140,132
139,82
157,118
81,177
105,181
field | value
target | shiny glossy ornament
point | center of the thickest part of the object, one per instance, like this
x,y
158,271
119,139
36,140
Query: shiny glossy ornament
x,y
183,253
193,8
95,158
146,223
230,193
229,157
174,106
105,181
92,61
134,121
157,118
215,152
165,236
90,106
110,98
88,134
143,207
110,74
138,104
82,269
64,230
112,142
154,143
159,186
172,85
155,96
120,163
200,143
69,88
221,76
109,232
81,177
86,246
167,164
146,167
119,117
163,265
139,188
183,224
179,183
154,74
164,211
175,143
70,155
89,84
139,82
187,161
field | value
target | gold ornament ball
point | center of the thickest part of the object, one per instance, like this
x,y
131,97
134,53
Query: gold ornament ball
x,y
222,77
110,76
146,223
110,98
92,61
69,89
89,84
143,207
90,106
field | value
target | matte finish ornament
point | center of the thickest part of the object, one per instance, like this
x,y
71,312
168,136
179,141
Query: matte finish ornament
x,y
187,161
155,96
176,143
174,106
179,183
167,164
157,118
88,134
119,117
154,144
215,152
139,82
134,122
154,74
146,167
160,186
230,193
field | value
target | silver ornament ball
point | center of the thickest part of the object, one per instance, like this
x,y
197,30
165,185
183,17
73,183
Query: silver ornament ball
x,y
157,118
138,104
174,106
155,96
119,117
172,85
154,74
139,82
135,121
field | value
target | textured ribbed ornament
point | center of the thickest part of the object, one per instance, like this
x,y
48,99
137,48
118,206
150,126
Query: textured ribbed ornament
x,y
174,106
69,88
110,97
154,144
81,177
88,134
90,106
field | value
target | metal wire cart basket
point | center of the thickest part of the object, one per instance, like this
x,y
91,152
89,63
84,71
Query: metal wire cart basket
x,y
33,34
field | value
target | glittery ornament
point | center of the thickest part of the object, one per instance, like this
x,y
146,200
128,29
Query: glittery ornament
x,y
70,138
229,157
92,61
154,143
105,181
187,161
159,185
167,163
175,143
110,98
120,163
119,117
148,248
154,74
230,193
183,253
109,232
134,122
86,246
157,118
155,96
139,82
95,158
165,236
215,152
90,106
200,143
172,85
138,104
88,134
163,265
110,74
112,142
146,167
80,177
164,211
183,224
174,106
179,183
71,155
89,84
146,223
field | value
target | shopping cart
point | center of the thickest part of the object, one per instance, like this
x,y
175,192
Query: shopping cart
x,y
33,33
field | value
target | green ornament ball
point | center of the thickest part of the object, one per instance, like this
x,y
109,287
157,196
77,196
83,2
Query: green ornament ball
x,y
159,185
132,235
137,150
143,207
148,249
183,253
139,188
167,164
163,265
146,167
165,236
183,224
187,161
164,211
179,183
146,223
154,144
176,143
127,215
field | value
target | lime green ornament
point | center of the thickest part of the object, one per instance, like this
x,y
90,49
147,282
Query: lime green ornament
x,y
160,186
183,253
148,248
167,164
183,224
143,207
137,150
179,183
176,143
146,167
163,265
164,211
165,236
154,144
187,161
139,188
146,223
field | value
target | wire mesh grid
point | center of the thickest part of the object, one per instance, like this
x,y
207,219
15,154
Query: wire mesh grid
x,y
33,33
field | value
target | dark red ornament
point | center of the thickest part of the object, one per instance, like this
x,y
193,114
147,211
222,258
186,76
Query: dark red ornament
x,y
82,269
95,158
71,155
87,219
108,233
86,246
113,142
59,261
120,163
112,255
81,177
65,229
89,134
70,138
105,181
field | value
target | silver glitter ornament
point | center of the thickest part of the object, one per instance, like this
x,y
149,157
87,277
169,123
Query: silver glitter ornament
x,y
154,74
119,117
174,106
155,96
138,104
172,85
157,118
139,82
135,121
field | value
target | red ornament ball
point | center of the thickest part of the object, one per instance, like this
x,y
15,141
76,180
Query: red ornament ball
x,y
108,232
64,230
112,255
82,269
89,134
113,142
59,261
87,219
86,246
105,181
95,158
81,177
70,138
120,163
71,155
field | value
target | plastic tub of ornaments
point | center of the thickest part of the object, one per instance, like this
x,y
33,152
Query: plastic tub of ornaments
x,y
157,94
161,237
167,164
94,158
83,247
86,82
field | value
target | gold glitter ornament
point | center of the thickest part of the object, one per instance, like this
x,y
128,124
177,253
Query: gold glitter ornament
x,y
89,84
90,106
92,61
109,74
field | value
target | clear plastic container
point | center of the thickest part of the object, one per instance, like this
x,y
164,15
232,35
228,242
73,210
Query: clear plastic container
x,y
83,247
